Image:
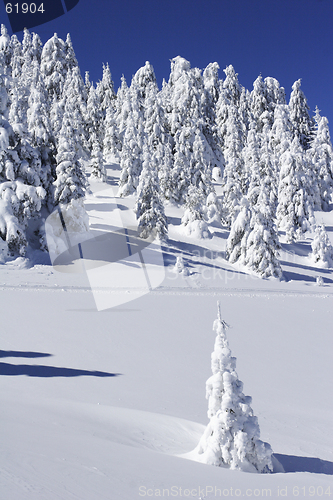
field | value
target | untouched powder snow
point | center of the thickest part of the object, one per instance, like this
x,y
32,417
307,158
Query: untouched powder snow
x,y
107,405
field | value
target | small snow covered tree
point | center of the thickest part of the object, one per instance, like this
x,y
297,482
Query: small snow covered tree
x,y
155,120
123,106
107,100
232,437
96,161
149,207
94,128
179,179
213,209
211,82
274,92
262,242
131,161
143,86
320,155
87,82
56,116
192,164
237,239
251,157
209,98
144,83
112,140
280,137
266,94
258,101
193,220
253,239
281,134
16,59
222,113
200,171
299,115
54,66
6,49
232,85
165,168
70,180
322,249
267,166
94,116
158,138
105,90
234,180
180,266
70,57
295,203
244,108
130,120
39,127
73,94
61,76
70,183
229,98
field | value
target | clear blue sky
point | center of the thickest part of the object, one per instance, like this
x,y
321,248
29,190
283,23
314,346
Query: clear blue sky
x,y
285,39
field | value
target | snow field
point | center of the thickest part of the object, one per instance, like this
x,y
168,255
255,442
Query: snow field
x,y
127,431
93,437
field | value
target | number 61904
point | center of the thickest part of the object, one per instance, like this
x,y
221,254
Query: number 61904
x,y
25,8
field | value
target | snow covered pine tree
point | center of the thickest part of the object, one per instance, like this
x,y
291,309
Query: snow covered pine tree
x,y
232,436
322,249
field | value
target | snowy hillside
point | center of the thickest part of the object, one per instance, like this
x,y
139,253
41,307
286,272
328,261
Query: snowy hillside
x,y
124,217
106,405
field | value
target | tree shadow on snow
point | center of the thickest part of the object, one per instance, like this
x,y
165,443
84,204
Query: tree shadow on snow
x,y
122,207
102,207
111,180
191,251
293,463
293,276
23,354
174,221
301,249
49,371
289,276
307,268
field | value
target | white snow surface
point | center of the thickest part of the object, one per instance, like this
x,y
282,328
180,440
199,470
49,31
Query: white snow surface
x,y
110,405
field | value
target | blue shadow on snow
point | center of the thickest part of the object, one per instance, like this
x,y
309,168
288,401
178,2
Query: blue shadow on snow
x,y
292,463
49,371
23,354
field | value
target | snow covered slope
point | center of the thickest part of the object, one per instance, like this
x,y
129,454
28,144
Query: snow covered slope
x,y
103,405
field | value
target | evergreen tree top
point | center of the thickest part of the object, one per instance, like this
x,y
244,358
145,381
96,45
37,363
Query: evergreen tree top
x,y
4,38
70,54
220,326
231,84
179,65
144,75
297,84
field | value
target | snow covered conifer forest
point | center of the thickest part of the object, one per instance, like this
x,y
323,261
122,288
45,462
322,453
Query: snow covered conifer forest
x,y
271,158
